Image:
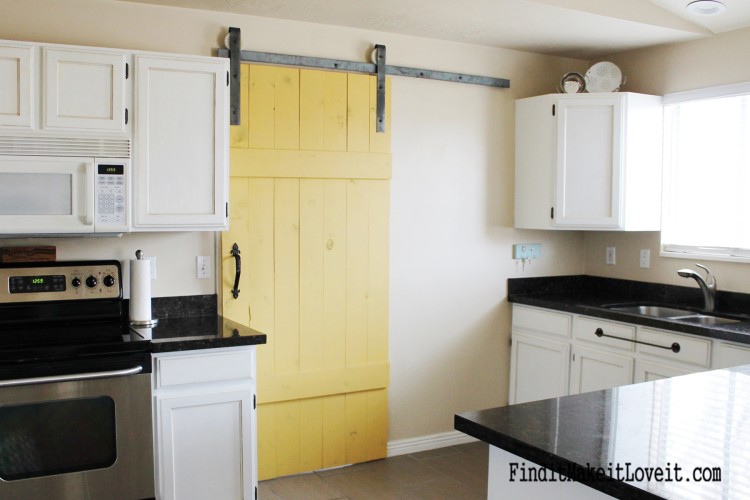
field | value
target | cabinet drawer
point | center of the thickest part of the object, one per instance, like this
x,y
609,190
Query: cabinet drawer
x,y
693,350
174,370
541,321
728,355
585,328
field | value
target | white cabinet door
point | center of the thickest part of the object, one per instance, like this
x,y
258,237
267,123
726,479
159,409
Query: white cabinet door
x,y
588,173
535,160
16,90
181,171
205,424
84,90
203,446
538,368
594,369
648,370
588,161
728,355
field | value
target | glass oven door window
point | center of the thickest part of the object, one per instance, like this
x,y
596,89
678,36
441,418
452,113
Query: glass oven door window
x,y
56,437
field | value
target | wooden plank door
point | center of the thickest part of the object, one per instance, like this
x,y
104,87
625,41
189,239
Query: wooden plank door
x,y
309,209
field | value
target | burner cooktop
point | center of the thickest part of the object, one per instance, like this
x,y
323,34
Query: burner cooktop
x,y
65,313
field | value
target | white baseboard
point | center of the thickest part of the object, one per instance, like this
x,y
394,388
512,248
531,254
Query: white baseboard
x,y
425,443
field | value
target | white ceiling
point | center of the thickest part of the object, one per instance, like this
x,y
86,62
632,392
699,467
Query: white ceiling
x,y
573,28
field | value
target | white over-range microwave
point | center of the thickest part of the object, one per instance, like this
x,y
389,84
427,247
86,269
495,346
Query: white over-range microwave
x,y
59,192
64,195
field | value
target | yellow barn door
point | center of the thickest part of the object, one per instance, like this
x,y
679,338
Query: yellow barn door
x,y
309,209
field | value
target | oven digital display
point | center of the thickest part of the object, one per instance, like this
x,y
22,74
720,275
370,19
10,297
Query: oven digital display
x,y
36,284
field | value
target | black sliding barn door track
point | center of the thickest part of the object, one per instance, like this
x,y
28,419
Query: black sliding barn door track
x,y
236,56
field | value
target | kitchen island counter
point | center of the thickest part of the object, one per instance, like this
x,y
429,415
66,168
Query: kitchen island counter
x,y
689,434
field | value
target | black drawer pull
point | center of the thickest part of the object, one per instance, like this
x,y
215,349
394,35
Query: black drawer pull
x,y
675,347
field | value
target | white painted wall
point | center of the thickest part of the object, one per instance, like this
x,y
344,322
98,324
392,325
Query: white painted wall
x,y
719,60
452,190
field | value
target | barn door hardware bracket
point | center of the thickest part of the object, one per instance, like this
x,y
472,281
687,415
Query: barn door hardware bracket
x,y
379,68
234,76
380,103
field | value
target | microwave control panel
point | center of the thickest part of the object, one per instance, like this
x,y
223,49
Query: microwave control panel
x,y
111,196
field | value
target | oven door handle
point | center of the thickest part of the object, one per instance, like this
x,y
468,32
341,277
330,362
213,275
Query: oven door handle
x,y
72,377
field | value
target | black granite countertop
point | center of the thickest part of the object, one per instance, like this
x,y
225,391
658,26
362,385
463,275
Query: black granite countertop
x,y
201,332
588,295
191,322
692,424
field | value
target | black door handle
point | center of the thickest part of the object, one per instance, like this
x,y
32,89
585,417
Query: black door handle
x,y
237,263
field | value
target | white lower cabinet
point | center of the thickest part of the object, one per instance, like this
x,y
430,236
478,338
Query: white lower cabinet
x,y
205,424
528,382
728,354
597,369
602,354
540,354
555,354
664,354
648,371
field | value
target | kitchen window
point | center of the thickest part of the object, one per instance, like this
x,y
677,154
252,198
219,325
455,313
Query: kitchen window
x,y
707,174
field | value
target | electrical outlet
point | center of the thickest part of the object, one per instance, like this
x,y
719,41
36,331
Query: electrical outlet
x,y
203,266
645,258
153,267
527,251
611,256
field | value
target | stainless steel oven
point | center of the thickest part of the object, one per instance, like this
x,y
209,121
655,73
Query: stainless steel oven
x,y
75,387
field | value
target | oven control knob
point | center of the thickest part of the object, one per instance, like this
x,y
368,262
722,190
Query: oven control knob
x,y
76,282
91,282
109,281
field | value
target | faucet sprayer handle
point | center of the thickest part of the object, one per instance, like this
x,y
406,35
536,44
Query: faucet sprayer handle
x,y
710,278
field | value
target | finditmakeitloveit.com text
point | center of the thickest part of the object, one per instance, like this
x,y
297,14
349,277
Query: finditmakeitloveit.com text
x,y
522,472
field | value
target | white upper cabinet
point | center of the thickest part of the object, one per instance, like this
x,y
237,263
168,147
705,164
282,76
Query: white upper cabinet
x,y
16,88
84,90
182,134
589,161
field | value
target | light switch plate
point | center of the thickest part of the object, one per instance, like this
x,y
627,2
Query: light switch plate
x,y
203,266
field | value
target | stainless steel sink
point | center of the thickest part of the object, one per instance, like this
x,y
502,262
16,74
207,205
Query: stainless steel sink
x,y
672,313
653,311
703,319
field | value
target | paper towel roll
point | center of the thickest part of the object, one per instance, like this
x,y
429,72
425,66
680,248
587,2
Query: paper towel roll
x,y
140,290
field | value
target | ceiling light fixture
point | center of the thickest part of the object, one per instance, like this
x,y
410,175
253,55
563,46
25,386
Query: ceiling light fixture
x,y
706,7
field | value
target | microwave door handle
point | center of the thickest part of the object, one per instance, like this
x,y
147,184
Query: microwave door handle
x,y
90,187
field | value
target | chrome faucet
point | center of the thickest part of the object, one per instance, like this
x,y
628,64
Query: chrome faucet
x,y
708,289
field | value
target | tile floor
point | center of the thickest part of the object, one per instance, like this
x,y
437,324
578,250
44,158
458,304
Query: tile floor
x,y
455,472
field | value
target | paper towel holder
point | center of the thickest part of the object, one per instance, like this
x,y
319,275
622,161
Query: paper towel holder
x,y
148,323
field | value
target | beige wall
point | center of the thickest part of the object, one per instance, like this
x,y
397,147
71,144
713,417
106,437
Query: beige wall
x,y
719,60
452,190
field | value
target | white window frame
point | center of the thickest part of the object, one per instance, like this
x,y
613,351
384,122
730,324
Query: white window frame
x,y
697,252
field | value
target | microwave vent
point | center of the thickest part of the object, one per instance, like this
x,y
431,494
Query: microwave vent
x,y
64,146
